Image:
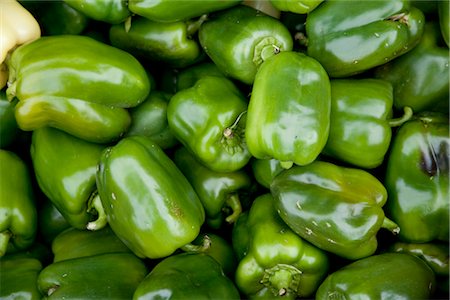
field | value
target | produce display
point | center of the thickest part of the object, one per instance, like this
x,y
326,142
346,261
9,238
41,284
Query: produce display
x,y
224,149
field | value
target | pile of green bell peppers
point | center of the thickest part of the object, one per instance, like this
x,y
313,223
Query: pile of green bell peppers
x,y
227,149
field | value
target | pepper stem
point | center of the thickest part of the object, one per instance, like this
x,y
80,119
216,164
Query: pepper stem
x,y
4,240
232,136
236,208
127,24
203,247
194,25
95,203
407,115
282,279
390,225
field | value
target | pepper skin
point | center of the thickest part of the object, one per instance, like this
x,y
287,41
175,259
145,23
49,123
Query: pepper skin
x,y
8,125
149,203
104,276
420,78
417,179
335,208
361,121
18,221
51,222
187,276
239,39
296,6
71,188
288,115
444,20
382,276
187,77
278,263
218,191
348,38
209,120
83,87
111,11
265,170
19,278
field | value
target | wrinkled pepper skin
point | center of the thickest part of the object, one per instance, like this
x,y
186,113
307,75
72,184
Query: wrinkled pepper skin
x,y
382,276
187,276
18,221
150,119
239,39
170,43
70,188
420,78
337,209
288,115
444,20
209,120
75,243
296,6
8,125
348,38
279,263
219,192
417,179
173,10
104,276
83,87
19,278
149,203
111,11
360,133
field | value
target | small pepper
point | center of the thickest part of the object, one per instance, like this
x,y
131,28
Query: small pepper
x,y
111,11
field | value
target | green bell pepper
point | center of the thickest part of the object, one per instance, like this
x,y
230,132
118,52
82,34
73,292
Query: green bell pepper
x,y
187,276
8,125
349,37
335,208
76,84
72,188
219,192
187,77
239,39
288,115
18,278
209,120
171,43
420,78
18,224
150,119
174,10
149,203
444,20
104,276
50,221
265,170
109,11
278,263
361,121
75,243
382,276
296,6
417,179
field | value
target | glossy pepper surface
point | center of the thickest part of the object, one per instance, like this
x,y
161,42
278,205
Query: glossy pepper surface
x,y
71,188
83,87
288,115
382,276
278,263
51,222
296,6
112,11
335,208
8,125
417,179
18,224
209,120
265,170
349,37
239,39
187,276
149,203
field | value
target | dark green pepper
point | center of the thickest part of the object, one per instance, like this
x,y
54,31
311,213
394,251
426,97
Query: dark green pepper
x,y
335,208
104,276
187,77
265,170
278,263
72,188
239,39
8,125
18,223
187,276
149,203
209,120
382,276
218,191
170,43
110,11
444,20
361,121
420,78
417,179
288,115
76,84
51,222
349,37
18,278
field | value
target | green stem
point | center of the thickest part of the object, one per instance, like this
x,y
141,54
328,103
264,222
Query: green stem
x,y
127,24
407,115
194,25
236,208
4,240
390,225
203,247
282,280
286,164
95,203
